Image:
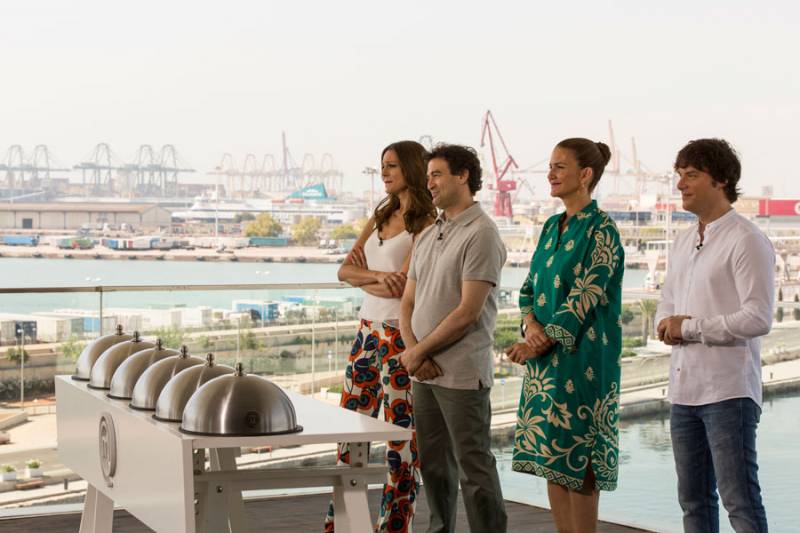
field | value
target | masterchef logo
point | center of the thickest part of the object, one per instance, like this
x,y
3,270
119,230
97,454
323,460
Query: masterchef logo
x,y
108,448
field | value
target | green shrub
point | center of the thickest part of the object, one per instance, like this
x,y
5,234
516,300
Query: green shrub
x,y
170,337
505,337
72,348
248,341
205,342
9,388
626,316
632,342
13,354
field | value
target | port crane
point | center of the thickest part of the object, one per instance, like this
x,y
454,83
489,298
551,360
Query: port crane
x,y
32,172
502,162
278,174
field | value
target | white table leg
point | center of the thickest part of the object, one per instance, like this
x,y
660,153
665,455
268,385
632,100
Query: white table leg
x,y
98,512
225,459
352,508
212,507
350,495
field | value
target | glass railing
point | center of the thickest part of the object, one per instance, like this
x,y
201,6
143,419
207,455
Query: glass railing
x,y
298,335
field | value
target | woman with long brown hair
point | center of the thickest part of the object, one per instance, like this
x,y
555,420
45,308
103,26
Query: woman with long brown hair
x,y
377,264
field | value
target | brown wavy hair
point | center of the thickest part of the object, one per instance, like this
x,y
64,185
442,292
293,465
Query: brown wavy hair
x,y
414,165
718,159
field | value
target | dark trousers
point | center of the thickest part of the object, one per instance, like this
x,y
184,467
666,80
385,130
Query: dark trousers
x,y
715,448
454,440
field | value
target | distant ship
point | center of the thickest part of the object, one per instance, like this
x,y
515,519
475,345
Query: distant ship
x,y
308,201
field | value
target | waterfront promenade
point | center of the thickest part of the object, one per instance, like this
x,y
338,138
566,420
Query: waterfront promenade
x,y
285,254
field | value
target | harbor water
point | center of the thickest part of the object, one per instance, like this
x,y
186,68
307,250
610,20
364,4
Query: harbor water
x,y
647,493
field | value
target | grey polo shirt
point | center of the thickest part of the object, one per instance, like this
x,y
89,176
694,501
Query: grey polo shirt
x,y
466,248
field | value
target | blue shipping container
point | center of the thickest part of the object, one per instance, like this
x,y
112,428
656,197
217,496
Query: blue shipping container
x,y
21,240
259,310
114,244
683,216
640,217
91,324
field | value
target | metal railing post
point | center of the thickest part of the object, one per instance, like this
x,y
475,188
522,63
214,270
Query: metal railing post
x,y
100,314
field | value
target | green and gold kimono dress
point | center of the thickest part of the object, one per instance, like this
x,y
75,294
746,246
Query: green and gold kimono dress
x,y
568,410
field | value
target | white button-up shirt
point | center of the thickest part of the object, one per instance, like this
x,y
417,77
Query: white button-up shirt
x,y
727,286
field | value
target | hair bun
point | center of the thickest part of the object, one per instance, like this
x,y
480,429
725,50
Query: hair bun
x,y
605,151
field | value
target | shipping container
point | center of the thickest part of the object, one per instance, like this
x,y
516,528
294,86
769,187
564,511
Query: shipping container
x,y
12,329
260,310
74,324
767,207
46,328
114,244
162,243
196,316
269,241
91,320
237,243
138,243
148,319
21,240
683,216
75,243
204,242
636,217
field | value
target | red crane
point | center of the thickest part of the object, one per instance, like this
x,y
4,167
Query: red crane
x,y
502,199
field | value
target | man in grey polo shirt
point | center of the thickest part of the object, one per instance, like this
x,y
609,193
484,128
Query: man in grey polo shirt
x,y
447,321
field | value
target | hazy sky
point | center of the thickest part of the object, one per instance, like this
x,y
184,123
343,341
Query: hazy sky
x,y
350,77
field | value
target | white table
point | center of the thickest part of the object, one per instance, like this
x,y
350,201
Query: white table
x,y
161,475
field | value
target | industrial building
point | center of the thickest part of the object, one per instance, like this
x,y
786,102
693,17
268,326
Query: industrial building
x,y
74,216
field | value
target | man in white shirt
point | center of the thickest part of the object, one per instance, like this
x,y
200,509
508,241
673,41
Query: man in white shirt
x,y
716,303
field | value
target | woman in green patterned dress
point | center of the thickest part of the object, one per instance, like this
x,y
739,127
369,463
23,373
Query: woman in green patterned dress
x,y
567,419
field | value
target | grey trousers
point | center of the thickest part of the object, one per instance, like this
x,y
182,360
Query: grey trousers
x,y
454,442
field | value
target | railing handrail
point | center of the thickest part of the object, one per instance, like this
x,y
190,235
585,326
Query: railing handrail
x,y
629,294
168,288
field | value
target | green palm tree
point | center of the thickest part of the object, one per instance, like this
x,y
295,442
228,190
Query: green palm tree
x,y
648,308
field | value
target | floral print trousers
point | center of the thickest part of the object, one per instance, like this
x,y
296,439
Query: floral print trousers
x,y
374,377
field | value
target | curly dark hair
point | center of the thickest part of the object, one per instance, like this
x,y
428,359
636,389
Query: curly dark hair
x,y
718,159
413,157
460,158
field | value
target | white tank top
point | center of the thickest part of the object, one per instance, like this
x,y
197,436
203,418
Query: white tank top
x,y
386,257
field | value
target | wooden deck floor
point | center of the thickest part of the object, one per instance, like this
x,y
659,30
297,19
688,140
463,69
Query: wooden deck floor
x,y
300,514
